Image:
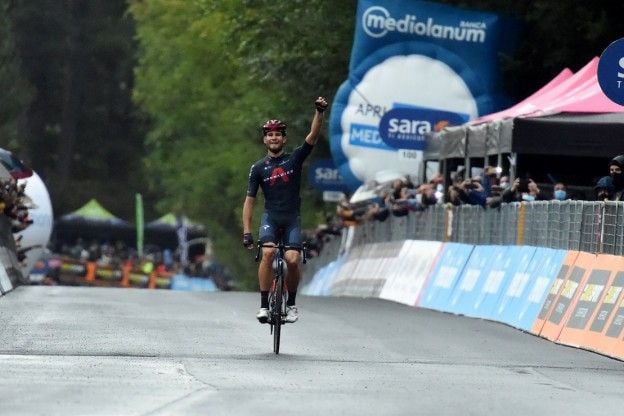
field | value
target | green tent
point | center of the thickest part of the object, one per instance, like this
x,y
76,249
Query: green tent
x,y
92,211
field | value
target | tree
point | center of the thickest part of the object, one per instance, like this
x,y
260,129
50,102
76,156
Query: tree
x,y
16,91
83,134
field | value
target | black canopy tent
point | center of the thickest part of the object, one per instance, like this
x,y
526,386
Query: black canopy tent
x,y
570,134
93,222
164,230
573,148
577,146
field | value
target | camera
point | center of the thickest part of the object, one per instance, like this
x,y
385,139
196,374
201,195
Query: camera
x,y
523,185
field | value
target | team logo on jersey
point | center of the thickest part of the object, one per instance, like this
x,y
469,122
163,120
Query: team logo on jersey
x,y
279,173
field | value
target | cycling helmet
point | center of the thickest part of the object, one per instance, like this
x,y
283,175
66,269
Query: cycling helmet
x,y
274,125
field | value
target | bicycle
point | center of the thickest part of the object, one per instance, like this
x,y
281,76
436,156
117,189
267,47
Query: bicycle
x,y
278,295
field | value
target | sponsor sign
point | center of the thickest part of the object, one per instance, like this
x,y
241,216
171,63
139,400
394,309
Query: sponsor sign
x,y
588,301
324,176
554,291
405,128
608,304
366,136
567,293
439,62
611,71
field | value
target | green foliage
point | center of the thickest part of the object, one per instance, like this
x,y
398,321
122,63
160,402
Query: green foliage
x,y
16,91
207,90
82,133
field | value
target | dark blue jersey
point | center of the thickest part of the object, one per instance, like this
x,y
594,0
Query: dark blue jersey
x,y
280,179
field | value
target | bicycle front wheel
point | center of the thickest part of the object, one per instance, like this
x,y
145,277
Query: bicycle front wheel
x,y
277,312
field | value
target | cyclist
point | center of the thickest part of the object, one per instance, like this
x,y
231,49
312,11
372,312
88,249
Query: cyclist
x,y
279,176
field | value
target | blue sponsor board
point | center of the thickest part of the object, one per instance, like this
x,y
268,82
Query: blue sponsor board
x,y
321,282
499,278
405,127
444,277
324,176
476,37
192,284
366,136
473,278
523,298
611,71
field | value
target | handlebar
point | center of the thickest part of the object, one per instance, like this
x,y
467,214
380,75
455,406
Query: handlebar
x,y
303,248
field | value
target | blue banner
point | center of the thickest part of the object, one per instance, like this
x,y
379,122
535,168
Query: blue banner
x,y
444,276
465,298
192,284
500,277
324,176
405,127
525,297
437,58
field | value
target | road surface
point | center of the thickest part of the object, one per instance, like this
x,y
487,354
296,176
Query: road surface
x,y
103,351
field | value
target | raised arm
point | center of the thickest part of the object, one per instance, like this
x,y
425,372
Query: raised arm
x,y
317,122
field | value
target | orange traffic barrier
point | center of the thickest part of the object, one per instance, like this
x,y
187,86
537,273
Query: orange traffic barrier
x,y
569,294
125,273
91,269
152,280
555,290
587,320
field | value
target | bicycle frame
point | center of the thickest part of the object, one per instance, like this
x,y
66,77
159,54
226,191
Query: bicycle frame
x,y
278,295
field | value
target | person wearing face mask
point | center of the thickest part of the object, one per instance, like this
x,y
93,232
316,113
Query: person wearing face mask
x,y
504,182
559,192
615,171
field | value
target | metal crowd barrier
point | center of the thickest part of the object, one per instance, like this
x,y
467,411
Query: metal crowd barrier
x,y
589,226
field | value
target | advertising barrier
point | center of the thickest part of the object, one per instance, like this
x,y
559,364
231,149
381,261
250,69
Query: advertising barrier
x,y
502,261
553,294
409,271
606,328
193,284
5,281
567,296
444,277
529,286
365,270
470,285
321,283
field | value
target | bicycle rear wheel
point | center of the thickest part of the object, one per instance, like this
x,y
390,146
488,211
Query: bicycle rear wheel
x,y
276,316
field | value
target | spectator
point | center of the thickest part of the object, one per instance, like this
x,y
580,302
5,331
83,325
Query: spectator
x,y
430,194
523,189
347,214
405,198
504,182
469,191
604,189
560,192
615,170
